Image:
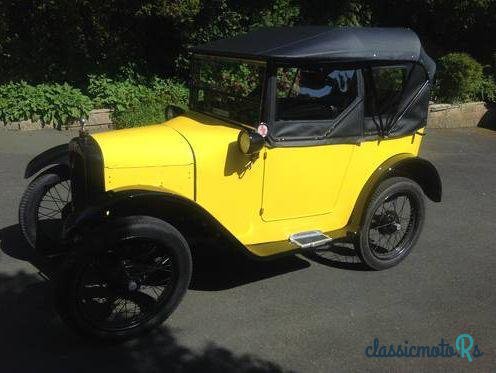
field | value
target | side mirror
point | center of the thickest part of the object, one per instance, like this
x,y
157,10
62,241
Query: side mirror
x,y
173,111
250,142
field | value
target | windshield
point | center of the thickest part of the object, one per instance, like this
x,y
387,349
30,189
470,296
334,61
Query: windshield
x,y
228,88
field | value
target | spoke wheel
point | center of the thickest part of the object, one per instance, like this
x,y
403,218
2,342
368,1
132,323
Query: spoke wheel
x,y
127,285
127,281
392,226
43,208
52,208
392,223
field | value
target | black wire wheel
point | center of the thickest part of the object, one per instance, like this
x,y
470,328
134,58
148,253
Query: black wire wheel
x,y
132,285
392,226
392,223
43,207
126,285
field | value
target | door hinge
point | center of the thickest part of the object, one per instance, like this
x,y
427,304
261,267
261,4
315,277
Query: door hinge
x,y
265,156
261,211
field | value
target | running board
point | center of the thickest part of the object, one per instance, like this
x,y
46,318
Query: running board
x,y
309,239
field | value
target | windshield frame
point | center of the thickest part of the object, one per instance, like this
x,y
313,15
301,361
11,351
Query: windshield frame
x,y
194,89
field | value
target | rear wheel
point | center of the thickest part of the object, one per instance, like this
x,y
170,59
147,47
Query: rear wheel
x,y
42,208
129,287
392,223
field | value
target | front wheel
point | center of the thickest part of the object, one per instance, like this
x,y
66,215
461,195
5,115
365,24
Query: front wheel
x,y
392,223
42,208
128,287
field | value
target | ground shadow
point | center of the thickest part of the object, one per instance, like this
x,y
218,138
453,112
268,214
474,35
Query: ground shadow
x,y
488,121
216,268
338,255
13,244
223,269
33,339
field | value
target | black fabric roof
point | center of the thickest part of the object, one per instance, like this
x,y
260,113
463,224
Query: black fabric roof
x,y
324,43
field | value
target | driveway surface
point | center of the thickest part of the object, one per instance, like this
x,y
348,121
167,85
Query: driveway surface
x,y
306,314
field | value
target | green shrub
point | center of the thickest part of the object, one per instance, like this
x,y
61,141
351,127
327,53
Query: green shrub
x,y
174,92
488,89
137,101
107,93
147,111
63,104
17,100
51,104
460,78
134,100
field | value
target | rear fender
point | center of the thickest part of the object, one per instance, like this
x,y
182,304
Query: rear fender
x,y
424,173
415,168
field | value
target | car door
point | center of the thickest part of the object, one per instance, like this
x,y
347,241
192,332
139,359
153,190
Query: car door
x,y
317,118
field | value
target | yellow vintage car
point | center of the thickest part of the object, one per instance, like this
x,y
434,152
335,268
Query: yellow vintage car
x,y
295,138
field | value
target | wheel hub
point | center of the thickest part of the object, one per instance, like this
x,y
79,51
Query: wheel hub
x,y
132,285
389,223
126,285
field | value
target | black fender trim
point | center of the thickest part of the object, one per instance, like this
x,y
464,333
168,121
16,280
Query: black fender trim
x,y
418,169
60,169
185,215
53,156
423,173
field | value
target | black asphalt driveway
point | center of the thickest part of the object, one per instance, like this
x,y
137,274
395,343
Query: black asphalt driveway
x,y
304,314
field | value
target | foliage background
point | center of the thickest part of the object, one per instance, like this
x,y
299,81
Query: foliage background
x,y
61,58
65,40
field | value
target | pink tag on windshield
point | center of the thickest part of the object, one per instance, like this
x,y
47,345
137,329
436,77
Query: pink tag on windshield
x,y
262,129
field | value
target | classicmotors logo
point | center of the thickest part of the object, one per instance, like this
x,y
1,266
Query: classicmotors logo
x,y
464,347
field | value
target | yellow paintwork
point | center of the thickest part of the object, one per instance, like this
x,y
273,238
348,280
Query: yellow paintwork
x,y
153,156
306,177
284,191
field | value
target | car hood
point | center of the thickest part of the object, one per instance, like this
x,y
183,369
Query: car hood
x,y
150,146
179,141
209,137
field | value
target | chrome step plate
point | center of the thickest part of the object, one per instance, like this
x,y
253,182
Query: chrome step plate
x,y
309,239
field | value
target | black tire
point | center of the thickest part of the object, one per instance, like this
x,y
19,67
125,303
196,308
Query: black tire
x,y
40,210
386,235
94,289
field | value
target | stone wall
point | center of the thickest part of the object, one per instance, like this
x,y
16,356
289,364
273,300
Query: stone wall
x,y
472,114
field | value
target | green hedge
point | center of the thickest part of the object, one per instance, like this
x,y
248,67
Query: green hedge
x,y
137,101
51,104
134,101
460,78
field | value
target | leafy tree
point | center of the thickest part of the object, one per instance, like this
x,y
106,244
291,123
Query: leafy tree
x,y
281,13
65,40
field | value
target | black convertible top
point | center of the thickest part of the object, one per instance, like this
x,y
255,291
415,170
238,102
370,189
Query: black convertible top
x,y
322,43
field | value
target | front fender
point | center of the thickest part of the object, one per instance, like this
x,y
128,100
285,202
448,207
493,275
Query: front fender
x,y
58,155
116,204
184,214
